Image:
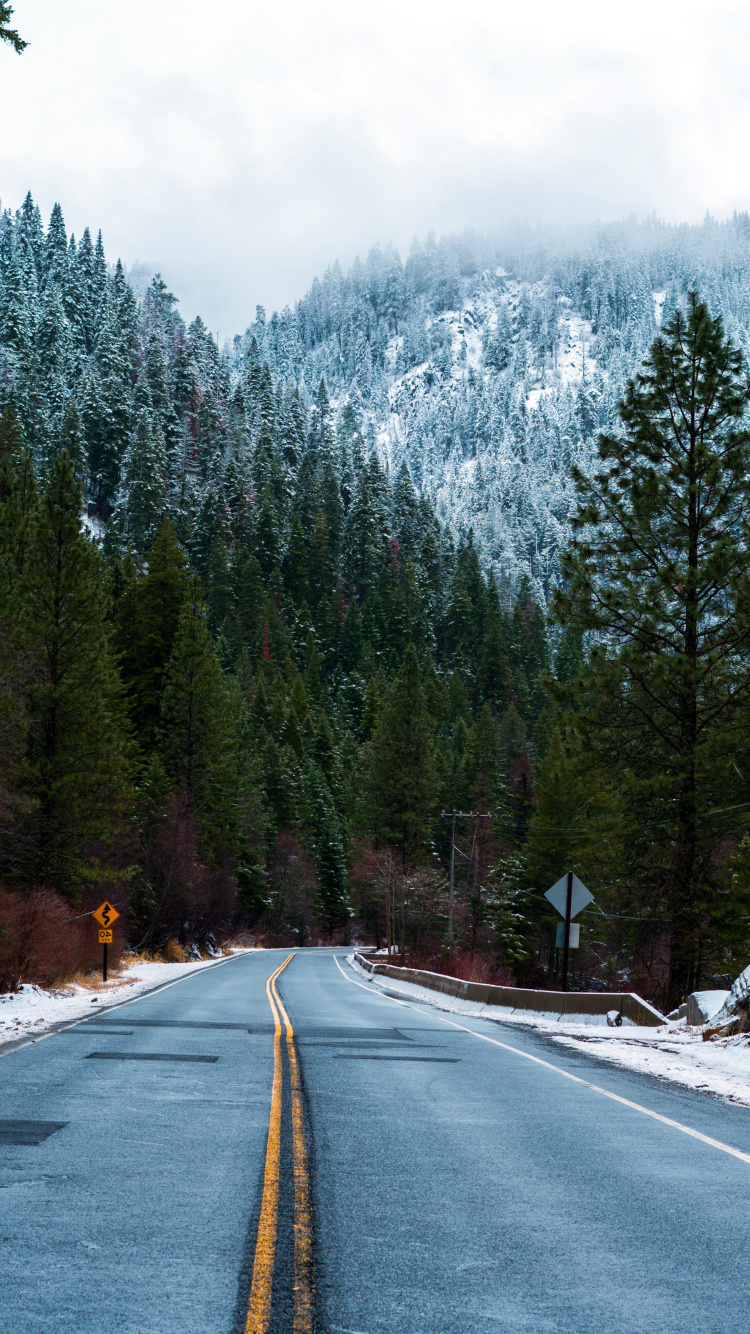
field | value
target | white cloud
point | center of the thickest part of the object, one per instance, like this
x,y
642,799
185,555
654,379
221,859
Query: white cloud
x,y
240,147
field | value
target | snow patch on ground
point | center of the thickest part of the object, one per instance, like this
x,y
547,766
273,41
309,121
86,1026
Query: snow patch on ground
x,y
32,1011
679,1055
94,527
672,1052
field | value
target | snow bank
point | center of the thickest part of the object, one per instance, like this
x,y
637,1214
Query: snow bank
x,y
670,1052
32,1011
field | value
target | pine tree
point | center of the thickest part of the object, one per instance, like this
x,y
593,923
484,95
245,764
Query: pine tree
x,y
147,619
219,586
7,34
295,566
402,776
529,651
72,439
248,602
52,339
268,531
56,250
405,512
494,667
330,860
658,570
77,767
18,504
195,732
145,484
16,326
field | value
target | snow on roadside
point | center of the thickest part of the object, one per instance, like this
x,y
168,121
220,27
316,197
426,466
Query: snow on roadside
x,y
672,1052
678,1055
32,1011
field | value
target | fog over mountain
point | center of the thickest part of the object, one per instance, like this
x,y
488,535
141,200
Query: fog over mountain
x,y
240,152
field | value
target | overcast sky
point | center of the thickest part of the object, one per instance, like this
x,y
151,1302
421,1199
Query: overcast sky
x,y
240,147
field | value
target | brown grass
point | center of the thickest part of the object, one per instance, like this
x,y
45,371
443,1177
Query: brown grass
x,y
174,952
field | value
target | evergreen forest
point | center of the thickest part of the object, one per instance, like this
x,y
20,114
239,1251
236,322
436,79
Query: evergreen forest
x,y
421,555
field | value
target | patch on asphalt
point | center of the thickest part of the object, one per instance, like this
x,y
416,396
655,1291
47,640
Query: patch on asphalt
x,y
186,1023
373,1056
356,1042
85,1032
146,1056
361,1034
28,1132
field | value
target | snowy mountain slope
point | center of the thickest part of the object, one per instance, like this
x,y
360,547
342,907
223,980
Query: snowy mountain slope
x,y
490,363
487,363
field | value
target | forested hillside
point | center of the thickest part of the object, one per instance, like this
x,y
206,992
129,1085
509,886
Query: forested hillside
x,y
268,609
490,363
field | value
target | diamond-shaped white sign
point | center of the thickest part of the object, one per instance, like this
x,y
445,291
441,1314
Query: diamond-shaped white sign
x,y
558,896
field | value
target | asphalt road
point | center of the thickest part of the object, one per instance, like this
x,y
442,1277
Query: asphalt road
x,y
455,1185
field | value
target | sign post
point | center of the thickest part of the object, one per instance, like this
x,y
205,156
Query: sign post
x,y
105,915
569,896
566,946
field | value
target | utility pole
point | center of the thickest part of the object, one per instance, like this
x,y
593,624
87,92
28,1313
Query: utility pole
x,y
453,869
453,816
390,904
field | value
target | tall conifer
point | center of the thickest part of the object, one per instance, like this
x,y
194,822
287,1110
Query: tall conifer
x,y
77,771
402,775
658,571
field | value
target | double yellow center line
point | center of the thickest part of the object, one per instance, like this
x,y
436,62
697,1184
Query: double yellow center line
x,y
261,1290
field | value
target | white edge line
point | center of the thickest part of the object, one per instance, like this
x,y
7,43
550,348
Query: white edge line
x,y
615,1097
120,1005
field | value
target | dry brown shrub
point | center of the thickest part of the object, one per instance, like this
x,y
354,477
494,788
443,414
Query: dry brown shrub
x,y
479,968
174,952
45,941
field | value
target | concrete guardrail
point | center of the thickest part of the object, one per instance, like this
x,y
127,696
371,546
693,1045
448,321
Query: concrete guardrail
x,y
557,1004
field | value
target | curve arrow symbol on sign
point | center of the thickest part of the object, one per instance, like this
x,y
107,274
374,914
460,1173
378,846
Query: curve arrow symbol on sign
x,y
105,914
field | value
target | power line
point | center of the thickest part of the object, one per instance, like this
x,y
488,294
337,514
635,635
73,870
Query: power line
x,y
476,816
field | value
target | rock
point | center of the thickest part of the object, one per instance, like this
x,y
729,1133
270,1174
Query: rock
x,y
703,1005
614,1018
734,1015
679,1013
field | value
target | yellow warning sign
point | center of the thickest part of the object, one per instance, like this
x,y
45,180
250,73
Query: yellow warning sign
x,y
105,937
105,914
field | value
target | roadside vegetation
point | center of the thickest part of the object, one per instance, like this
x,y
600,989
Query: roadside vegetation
x,y
246,671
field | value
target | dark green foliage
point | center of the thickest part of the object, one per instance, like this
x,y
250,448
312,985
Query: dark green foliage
x,y
529,651
147,617
195,735
306,660
76,771
8,34
402,773
658,570
330,862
